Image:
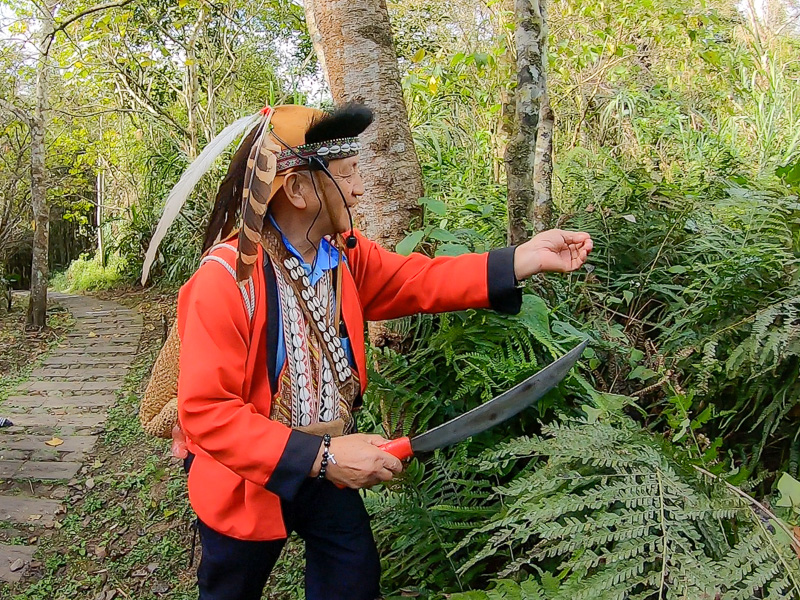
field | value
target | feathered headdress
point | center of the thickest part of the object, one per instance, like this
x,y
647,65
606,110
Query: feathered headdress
x,y
276,141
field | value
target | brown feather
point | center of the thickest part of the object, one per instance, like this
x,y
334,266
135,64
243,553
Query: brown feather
x,y
229,195
256,191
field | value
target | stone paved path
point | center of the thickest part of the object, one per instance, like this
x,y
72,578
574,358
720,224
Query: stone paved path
x,y
67,398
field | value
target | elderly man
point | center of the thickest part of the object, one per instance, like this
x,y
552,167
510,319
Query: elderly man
x,y
273,365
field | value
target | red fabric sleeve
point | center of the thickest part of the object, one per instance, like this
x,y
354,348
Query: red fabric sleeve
x,y
391,285
214,329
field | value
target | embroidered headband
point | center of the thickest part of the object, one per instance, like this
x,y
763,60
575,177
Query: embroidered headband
x,y
332,150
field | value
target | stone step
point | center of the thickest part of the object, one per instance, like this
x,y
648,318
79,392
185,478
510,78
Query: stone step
x,y
57,402
120,316
118,324
100,350
27,443
79,374
33,469
86,360
114,338
60,410
96,334
73,386
10,557
27,510
53,422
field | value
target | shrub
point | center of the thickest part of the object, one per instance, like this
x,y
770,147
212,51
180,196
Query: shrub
x,y
87,274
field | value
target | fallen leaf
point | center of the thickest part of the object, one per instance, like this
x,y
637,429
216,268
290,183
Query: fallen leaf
x,y
17,565
92,334
54,442
34,517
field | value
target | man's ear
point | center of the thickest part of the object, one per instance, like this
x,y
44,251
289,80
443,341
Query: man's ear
x,y
293,187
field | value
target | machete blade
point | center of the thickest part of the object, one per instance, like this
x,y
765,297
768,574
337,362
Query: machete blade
x,y
500,408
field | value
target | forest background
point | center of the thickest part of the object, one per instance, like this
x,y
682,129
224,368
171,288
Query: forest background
x,y
666,466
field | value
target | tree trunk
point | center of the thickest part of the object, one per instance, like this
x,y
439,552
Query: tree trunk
x,y
353,40
193,85
540,212
101,252
520,158
40,269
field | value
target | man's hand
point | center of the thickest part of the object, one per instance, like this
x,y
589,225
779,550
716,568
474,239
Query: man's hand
x,y
554,250
359,461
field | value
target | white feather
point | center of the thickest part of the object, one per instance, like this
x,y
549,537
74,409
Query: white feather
x,y
177,197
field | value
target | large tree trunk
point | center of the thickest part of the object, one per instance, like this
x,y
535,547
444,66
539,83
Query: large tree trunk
x,y
353,40
520,158
40,269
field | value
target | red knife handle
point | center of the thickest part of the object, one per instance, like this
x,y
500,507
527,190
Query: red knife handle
x,y
400,447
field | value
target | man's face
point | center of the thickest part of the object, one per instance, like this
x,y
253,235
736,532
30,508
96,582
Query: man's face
x,y
345,172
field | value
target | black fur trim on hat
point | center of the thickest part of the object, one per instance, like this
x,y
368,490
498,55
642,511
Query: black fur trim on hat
x,y
347,121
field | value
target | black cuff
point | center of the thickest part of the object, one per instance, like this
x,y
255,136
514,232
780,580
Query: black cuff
x,y
504,295
295,464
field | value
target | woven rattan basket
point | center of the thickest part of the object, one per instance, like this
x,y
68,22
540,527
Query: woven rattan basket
x,y
158,412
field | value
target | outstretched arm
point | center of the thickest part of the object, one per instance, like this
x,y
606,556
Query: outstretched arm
x,y
390,285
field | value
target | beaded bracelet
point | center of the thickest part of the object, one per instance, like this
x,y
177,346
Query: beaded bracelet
x,y
326,440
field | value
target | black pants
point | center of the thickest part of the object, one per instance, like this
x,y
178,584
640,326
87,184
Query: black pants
x,y
341,559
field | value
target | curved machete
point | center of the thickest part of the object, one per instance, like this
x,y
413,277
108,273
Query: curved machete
x,y
489,414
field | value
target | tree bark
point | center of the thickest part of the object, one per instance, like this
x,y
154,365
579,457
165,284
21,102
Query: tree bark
x,y
193,85
520,157
540,212
353,40
40,268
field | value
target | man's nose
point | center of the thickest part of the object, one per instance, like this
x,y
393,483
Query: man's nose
x,y
358,187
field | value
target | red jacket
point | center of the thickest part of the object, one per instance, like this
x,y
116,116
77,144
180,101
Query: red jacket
x,y
246,463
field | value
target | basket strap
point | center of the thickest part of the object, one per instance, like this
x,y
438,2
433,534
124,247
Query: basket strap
x,y
247,288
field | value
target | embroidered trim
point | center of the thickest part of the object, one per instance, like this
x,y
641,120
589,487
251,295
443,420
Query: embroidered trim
x,y
334,149
317,384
